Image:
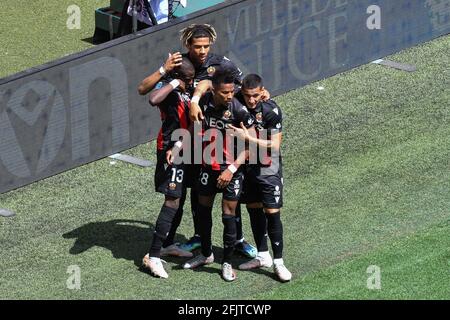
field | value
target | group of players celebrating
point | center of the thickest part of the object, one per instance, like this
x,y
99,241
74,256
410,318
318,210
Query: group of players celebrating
x,y
203,94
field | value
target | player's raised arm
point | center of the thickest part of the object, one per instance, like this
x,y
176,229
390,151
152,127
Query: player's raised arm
x,y
146,85
202,87
158,95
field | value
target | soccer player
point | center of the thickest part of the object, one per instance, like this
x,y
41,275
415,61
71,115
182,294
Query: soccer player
x,y
170,178
223,174
263,185
198,39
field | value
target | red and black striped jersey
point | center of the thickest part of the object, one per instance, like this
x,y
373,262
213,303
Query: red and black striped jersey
x,y
215,123
174,115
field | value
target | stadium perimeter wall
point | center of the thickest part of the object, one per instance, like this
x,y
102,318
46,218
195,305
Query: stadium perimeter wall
x,y
85,106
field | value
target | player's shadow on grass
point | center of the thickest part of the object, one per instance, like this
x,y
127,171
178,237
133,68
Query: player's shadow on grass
x,y
126,239
131,239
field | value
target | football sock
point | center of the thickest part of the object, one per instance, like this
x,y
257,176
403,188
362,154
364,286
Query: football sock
x,y
229,236
173,228
175,223
194,208
204,215
258,222
275,231
239,233
162,228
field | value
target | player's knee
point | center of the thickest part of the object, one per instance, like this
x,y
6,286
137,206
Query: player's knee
x,y
271,211
172,202
229,207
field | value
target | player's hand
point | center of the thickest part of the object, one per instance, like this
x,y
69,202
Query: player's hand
x,y
172,154
183,84
224,179
266,95
169,157
241,133
195,113
173,61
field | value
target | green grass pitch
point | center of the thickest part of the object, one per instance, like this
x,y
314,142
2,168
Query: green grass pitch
x,y
367,183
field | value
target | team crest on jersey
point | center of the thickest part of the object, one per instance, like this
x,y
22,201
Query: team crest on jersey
x,y
172,186
211,71
227,115
259,116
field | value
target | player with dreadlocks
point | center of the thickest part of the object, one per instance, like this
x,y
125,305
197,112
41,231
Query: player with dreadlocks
x,y
198,39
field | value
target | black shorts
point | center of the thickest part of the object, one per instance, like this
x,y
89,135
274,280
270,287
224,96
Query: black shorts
x,y
172,180
265,189
207,184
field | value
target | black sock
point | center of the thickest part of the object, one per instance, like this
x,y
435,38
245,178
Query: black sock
x,y
275,231
173,228
162,228
239,233
229,236
175,223
194,208
204,215
258,222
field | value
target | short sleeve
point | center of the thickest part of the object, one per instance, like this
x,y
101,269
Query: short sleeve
x,y
237,73
274,118
244,116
